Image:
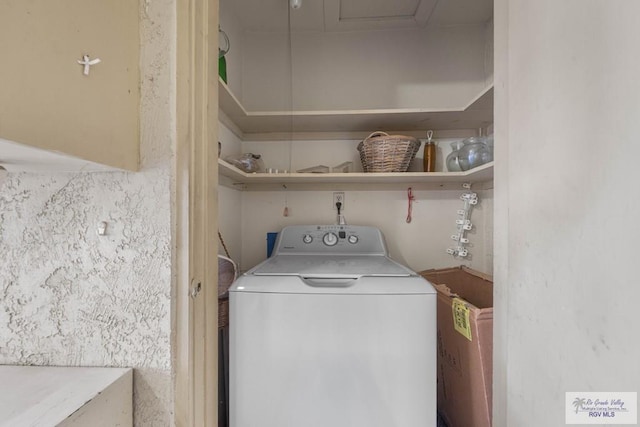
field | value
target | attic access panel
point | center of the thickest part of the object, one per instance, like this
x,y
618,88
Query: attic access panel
x,y
377,9
345,15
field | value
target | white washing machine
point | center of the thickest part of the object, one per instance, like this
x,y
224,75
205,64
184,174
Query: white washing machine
x,y
330,332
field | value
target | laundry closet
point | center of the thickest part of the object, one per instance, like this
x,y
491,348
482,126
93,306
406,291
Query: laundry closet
x,y
305,85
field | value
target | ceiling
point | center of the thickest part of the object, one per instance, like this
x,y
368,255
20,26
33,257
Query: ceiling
x,y
353,15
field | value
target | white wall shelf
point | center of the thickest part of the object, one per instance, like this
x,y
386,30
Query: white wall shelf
x,y
478,113
236,178
265,125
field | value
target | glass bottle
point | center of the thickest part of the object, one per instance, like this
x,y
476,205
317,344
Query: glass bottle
x,y
453,162
429,157
223,49
222,68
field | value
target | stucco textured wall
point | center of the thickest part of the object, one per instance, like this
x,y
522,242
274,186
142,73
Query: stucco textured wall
x,y
73,298
70,297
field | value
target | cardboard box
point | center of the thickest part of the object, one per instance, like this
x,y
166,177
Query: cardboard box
x,y
465,345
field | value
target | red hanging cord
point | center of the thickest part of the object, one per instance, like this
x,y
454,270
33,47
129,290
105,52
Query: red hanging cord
x,y
410,199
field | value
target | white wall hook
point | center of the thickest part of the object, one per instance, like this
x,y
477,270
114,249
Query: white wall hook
x,y
87,62
102,228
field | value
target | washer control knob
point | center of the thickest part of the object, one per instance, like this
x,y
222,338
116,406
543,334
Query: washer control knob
x,y
353,239
330,239
307,238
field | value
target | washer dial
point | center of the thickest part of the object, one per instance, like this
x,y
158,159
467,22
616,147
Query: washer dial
x,y
307,238
353,239
330,239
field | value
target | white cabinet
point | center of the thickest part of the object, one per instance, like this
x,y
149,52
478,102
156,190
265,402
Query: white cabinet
x,y
46,100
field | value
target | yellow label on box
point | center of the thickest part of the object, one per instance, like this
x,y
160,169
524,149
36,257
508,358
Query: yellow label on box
x,y
461,318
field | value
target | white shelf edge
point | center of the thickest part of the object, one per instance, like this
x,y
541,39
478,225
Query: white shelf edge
x,y
372,112
225,90
238,179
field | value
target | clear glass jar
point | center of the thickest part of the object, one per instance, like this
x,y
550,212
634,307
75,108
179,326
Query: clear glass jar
x,y
473,153
453,161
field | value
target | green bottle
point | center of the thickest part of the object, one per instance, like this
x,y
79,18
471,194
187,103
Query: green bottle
x,y
222,68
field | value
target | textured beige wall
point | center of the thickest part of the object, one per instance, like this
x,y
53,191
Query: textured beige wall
x,y
47,102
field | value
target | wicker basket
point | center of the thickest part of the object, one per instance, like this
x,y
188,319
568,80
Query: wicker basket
x,y
381,152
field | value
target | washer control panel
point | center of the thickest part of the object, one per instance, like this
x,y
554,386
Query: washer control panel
x,y
330,239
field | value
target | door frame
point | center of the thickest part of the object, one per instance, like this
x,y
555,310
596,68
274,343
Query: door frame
x,y
196,207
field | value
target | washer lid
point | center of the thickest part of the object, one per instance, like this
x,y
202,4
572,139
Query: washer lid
x,y
356,285
327,266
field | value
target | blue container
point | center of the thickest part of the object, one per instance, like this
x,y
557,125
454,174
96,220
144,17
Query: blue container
x,y
271,242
